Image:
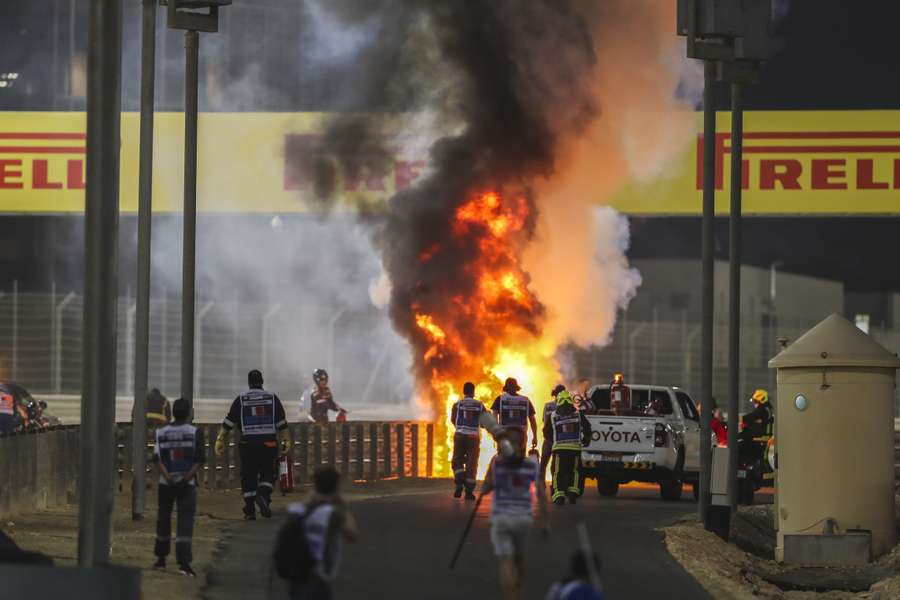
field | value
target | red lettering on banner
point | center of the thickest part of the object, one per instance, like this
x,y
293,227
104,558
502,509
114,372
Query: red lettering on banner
x,y
822,174
39,170
373,182
7,174
75,174
865,176
786,171
406,172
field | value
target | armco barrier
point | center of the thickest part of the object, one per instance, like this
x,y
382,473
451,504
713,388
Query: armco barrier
x,y
359,450
40,469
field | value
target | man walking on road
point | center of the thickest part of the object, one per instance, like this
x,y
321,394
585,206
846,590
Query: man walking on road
x,y
179,453
512,477
547,442
465,415
260,417
569,429
513,410
326,522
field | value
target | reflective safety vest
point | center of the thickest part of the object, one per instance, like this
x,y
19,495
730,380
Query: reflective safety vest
x,y
468,410
513,410
7,404
257,413
549,409
567,431
176,446
512,487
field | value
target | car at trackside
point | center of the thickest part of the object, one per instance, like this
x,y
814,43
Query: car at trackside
x,y
656,441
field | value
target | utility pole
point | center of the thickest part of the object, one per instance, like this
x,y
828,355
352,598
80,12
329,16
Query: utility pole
x,y
142,302
731,37
192,16
101,227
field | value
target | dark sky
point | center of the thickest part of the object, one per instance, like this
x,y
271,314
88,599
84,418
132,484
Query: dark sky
x,y
830,54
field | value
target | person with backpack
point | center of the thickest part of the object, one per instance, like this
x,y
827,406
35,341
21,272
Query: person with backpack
x,y
308,546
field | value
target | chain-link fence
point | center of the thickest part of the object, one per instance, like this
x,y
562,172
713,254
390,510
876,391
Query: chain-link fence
x,y
667,352
41,347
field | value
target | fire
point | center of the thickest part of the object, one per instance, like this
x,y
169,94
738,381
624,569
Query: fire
x,y
490,326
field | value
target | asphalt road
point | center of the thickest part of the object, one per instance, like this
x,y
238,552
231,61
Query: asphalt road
x,y
407,542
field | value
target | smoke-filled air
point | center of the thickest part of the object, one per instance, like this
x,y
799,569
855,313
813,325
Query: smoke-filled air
x,y
533,114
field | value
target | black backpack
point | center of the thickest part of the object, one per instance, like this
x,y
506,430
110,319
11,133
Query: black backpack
x,y
292,557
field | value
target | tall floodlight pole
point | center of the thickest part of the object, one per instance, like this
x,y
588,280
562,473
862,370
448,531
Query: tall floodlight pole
x,y
734,288
192,16
101,225
731,37
707,289
142,308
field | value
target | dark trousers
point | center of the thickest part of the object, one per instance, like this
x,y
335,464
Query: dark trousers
x,y
466,449
566,472
257,472
316,589
546,454
184,497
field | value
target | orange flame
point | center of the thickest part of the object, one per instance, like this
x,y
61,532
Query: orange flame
x,y
499,316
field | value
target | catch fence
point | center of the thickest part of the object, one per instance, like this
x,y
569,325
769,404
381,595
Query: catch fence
x,y
40,469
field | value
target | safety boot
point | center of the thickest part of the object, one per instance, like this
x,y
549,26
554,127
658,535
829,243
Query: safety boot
x,y
573,497
264,509
457,493
470,495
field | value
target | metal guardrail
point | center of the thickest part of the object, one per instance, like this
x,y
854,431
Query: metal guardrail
x,y
40,469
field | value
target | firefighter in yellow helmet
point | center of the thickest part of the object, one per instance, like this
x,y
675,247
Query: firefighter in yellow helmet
x,y
569,429
756,422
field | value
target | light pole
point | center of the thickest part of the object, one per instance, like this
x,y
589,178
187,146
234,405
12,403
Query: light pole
x,y
192,16
142,302
101,227
731,36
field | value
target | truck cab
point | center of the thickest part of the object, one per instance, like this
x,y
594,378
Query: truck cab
x,y
655,440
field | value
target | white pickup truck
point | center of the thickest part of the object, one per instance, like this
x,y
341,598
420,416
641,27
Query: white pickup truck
x,y
657,441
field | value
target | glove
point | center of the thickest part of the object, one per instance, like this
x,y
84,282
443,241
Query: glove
x,y
285,438
220,443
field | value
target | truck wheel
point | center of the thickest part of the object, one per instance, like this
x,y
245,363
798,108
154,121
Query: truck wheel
x,y
670,489
607,487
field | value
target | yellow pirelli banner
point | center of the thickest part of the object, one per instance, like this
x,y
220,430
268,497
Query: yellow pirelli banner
x,y
799,162
794,162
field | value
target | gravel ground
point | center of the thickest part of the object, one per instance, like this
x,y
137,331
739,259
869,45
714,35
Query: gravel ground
x,y
736,571
55,532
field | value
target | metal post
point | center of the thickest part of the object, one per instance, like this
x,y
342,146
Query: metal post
x,y
101,219
708,241
734,291
188,280
200,317
15,330
142,301
57,343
